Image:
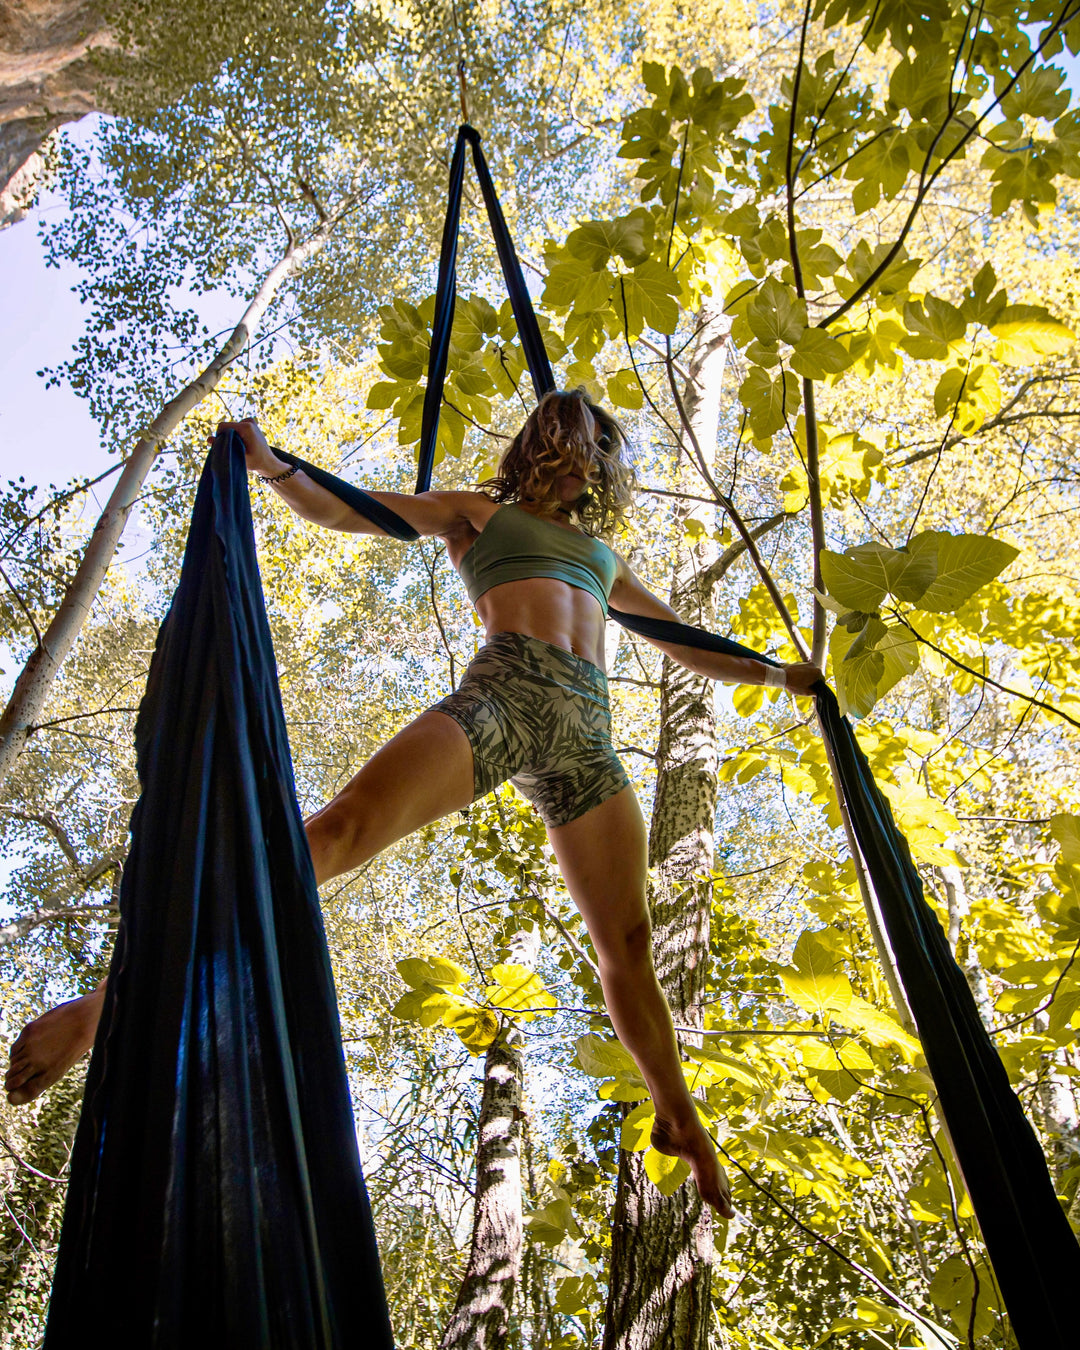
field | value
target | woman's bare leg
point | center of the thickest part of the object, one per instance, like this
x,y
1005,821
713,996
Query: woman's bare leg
x,y
602,856
49,1045
424,773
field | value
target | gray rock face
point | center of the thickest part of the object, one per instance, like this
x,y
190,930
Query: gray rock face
x,y
48,76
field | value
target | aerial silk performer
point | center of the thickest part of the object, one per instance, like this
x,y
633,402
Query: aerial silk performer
x,y
532,708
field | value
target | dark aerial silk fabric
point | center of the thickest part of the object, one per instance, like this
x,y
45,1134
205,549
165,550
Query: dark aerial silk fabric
x,y
216,1196
1035,1255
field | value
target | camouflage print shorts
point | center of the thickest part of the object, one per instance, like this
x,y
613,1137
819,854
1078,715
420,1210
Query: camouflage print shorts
x,y
538,715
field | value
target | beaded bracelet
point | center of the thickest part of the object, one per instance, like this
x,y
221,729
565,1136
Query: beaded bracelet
x,y
280,477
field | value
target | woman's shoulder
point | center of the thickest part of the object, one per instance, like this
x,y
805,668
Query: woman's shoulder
x,y
470,510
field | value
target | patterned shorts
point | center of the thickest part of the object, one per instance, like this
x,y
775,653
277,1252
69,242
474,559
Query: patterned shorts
x,y
538,715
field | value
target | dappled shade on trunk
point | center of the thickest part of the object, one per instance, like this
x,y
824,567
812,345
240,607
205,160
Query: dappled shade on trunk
x,y
216,1195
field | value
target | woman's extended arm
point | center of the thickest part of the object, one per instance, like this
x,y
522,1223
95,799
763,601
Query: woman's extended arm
x,y
633,597
429,513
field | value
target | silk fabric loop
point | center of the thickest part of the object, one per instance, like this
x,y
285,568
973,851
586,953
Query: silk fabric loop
x,y
446,293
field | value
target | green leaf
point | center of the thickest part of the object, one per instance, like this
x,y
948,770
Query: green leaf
x,y
602,1059
597,241
900,652
834,1055
816,979
475,320
1037,93
383,394
426,1006
727,1066
666,1174
964,563
769,403
857,678
983,304
879,1028
858,577
923,820
776,314
477,1027
624,390
908,574
409,1006
953,1290
637,1128
866,639
1065,829
577,1296
885,162
817,355
932,323
746,699
1027,333
573,285
624,1087
553,1224
437,971
647,297
948,390
519,990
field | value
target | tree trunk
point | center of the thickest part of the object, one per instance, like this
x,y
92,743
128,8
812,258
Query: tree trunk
x,y
661,1257
481,1316
47,77
35,682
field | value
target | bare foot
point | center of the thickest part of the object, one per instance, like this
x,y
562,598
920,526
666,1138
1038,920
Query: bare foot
x,y
49,1045
691,1142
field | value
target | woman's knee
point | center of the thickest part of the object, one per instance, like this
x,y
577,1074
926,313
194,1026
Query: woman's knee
x,y
626,945
347,828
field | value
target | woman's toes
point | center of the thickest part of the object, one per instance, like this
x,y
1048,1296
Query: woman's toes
x,y
18,1071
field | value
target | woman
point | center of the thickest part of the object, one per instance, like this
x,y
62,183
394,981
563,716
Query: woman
x,y
532,707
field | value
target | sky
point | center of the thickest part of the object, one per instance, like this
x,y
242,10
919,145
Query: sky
x,y
45,434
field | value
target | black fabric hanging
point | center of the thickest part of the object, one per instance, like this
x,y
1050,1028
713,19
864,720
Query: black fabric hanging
x,y
1031,1245
216,1197
446,293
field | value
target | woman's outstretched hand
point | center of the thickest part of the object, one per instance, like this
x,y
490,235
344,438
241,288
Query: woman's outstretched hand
x,y
260,458
801,677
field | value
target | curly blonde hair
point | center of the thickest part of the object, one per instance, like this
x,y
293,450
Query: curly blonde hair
x,y
557,435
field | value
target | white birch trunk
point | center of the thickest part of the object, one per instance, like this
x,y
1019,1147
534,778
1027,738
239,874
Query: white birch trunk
x,y
32,689
481,1316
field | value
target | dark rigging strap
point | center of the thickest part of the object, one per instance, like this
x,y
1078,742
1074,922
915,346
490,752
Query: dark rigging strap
x,y
446,295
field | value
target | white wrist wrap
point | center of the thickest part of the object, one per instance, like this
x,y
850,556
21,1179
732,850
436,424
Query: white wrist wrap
x,y
775,677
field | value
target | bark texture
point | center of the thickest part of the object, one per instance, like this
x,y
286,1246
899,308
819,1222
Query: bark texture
x,y
481,1316
47,77
661,1260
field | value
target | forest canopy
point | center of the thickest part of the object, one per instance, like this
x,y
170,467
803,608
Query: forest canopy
x,y
821,261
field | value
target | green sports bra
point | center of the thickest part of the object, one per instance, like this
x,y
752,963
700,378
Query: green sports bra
x,y
515,545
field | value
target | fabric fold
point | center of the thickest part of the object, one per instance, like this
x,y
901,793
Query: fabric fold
x,y
216,1194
